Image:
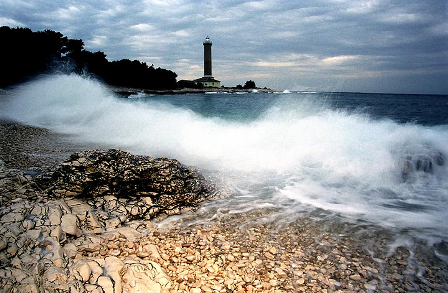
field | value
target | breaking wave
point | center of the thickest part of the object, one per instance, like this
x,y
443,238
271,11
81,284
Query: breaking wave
x,y
308,153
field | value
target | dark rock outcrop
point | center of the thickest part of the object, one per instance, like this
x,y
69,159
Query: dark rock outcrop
x,y
425,163
140,186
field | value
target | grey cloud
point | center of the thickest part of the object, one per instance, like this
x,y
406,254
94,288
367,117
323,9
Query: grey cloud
x,y
280,42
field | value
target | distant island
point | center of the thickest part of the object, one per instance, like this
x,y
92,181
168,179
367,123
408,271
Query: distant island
x,y
25,54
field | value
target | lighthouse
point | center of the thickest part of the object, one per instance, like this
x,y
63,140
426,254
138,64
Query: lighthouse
x,y
207,57
208,80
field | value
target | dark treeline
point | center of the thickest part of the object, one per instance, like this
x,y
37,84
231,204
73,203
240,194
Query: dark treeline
x,y
24,54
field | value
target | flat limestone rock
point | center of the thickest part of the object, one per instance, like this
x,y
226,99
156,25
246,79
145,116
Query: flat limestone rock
x,y
129,233
69,224
142,278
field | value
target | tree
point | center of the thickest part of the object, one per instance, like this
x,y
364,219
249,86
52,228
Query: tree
x,y
73,48
250,84
25,53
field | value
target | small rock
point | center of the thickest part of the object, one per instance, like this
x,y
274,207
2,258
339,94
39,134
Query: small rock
x,y
18,275
96,271
83,269
3,244
112,267
12,249
69,224
55,274
269,255
273,250
93,288
54,215
12,217
70,250
355,277
106,284
56,232
142,254
206,289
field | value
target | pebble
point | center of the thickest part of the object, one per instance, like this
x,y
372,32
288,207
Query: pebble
x,y
356,277
269,255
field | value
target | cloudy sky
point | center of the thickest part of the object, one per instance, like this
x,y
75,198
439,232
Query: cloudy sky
x,y
398,46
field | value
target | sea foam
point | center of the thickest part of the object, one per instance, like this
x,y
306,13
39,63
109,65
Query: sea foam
x,y
321,158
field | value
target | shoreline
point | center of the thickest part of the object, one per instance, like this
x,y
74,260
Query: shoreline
x,y
24,146
207,251
126,91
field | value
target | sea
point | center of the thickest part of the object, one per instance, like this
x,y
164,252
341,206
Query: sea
x,y
366,159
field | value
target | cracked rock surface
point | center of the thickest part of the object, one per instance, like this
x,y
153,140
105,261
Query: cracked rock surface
x,y
69,230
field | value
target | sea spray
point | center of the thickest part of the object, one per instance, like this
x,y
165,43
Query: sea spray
x,y
292,152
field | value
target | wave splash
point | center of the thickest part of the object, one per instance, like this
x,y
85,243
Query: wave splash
x,y
391,174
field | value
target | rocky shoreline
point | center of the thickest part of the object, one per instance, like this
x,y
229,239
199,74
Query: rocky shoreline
x,y
105,221
51,219
126,91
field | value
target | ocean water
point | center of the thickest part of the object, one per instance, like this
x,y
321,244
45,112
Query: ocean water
x,y
369,159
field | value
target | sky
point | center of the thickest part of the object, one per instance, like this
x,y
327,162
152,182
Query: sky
x,y
389,46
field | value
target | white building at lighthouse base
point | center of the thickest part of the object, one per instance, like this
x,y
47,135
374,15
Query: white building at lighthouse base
x,y
208,81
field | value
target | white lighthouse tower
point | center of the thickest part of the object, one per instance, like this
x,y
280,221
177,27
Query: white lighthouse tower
x,y
208,80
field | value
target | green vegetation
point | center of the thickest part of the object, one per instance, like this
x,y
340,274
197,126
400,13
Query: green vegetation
x,y
24,54
250,84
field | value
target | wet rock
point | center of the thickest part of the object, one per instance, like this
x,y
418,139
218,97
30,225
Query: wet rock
x,y
117,180
425,163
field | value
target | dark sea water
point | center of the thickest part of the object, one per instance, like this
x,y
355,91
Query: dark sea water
x,y
428,110
379,160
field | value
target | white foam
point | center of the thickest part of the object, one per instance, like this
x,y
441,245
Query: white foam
x,y
333,160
